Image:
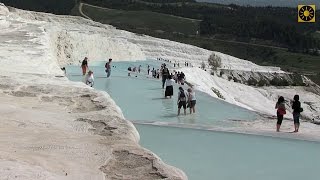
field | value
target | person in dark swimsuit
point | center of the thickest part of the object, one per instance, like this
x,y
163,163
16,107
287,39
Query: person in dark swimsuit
x,y
84,66
108,67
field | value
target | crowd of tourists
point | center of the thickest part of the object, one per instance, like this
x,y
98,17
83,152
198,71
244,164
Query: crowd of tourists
x,y
186,98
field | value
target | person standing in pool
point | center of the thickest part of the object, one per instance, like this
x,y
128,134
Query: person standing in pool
x,y
165,75
281,110
169,87
139,69
148,69
154,73
192,100
158,73
84,66
182,100
108,68
296,106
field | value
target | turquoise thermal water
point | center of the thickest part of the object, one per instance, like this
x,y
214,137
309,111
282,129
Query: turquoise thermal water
x,y
206,155
142,99
201,154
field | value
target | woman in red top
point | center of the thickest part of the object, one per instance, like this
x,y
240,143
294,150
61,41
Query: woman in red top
x,y
281,110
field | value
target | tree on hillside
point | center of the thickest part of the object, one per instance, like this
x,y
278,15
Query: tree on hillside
x,y
214,61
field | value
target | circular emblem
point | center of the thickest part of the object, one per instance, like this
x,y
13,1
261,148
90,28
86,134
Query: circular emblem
x,y
306,13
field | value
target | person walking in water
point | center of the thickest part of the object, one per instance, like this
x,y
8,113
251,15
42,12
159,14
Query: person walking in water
x,y
154,73
84,66
296,106
169,87
108,67
165,75
182,100
281,110
192,100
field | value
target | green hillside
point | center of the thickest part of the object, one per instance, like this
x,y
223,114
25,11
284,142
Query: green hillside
x,y
50,6
143,20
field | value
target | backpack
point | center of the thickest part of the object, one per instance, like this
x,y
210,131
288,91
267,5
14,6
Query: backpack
x,y
165,71
182,96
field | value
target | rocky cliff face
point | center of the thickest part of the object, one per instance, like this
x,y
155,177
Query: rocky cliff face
x,y
257,78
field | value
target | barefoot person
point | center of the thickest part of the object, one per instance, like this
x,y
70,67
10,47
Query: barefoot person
x,y
169,87
182,100
165,73
281,110
296,106
90,79
192,100
84,66
108,67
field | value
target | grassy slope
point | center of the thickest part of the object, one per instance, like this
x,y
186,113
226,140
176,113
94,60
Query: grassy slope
x,y
144,20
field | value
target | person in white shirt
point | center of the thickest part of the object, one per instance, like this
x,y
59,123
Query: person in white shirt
x,y
191,100
90,79
182,100
169,87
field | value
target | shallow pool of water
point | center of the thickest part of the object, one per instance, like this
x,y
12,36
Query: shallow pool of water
x,y
203,155
207,155
141,98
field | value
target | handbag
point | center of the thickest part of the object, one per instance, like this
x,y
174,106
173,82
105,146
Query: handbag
x,y
301,110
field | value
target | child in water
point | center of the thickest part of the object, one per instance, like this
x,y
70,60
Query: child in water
x,y
90,79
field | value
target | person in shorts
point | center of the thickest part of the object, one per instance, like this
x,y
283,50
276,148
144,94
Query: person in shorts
x,y
182,100
192,100
296,106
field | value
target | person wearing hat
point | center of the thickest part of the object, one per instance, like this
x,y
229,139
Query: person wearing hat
x,y
108,67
